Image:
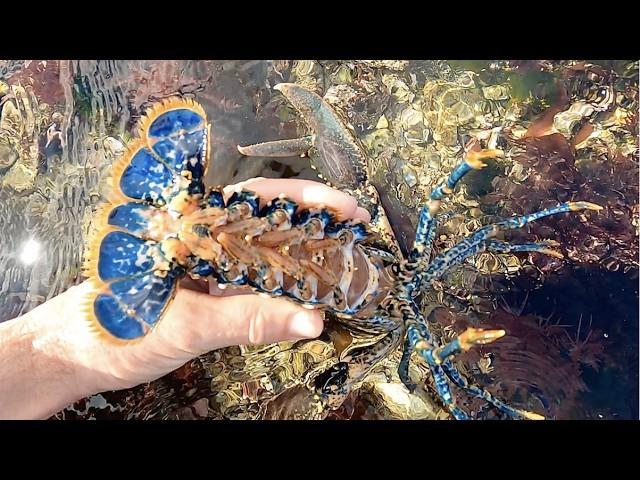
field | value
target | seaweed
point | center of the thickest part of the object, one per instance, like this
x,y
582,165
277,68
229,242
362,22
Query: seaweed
x,y
611,180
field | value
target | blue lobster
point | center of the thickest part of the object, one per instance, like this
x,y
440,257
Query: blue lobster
x,y
162,224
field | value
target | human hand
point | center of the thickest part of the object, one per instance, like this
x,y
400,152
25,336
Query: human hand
x,y
81,363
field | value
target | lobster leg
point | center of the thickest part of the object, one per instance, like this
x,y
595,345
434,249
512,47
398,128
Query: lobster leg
x,y
420,339
472,161
463,342
416,341
418,334
453,373
477,242
426,233
442,368
540,247
403,368
428,222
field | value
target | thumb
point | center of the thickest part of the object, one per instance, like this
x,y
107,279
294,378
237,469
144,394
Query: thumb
x,y
198,323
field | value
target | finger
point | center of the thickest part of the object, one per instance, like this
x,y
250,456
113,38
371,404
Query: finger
x,y
216,322
306,193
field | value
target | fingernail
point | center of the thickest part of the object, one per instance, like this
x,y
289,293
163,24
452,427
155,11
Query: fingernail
x,y
305,325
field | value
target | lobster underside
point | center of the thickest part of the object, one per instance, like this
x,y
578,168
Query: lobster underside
x,y
161,224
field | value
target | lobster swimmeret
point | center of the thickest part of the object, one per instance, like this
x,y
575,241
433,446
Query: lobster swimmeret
x,y
161,224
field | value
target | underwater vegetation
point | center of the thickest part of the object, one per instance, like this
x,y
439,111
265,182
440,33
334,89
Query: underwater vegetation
x,y
610,180
587,148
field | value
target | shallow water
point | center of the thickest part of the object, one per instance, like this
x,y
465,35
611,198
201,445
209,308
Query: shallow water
x,y
75,116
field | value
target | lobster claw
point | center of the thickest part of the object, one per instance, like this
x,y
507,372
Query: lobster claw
x,y
339,158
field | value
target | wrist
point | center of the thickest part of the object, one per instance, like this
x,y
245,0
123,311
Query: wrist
x,y
34,380
48,358
64,337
